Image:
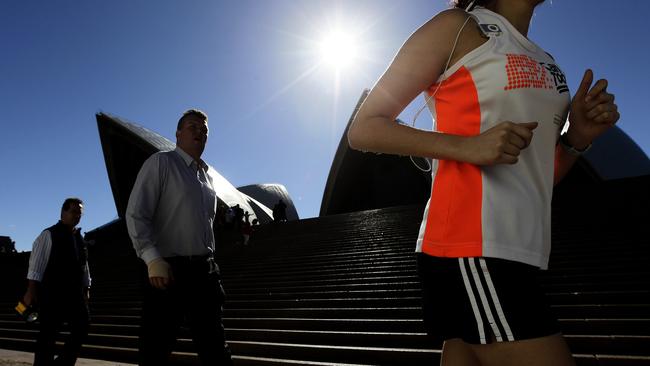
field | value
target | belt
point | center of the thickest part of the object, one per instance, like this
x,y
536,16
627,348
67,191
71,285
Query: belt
x,y
189,259
194,260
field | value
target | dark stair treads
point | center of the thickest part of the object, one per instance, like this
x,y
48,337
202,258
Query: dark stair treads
x,y
343,290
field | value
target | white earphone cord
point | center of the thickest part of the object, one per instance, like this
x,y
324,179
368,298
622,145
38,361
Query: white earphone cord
x,y
426,101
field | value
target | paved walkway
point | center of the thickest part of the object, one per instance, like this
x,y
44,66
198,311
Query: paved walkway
x,y
15,358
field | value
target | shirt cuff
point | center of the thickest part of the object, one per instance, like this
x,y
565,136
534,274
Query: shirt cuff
x,y
34,276
150,254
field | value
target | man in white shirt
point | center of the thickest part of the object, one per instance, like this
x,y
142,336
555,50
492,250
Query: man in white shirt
x,y
59,284
170,218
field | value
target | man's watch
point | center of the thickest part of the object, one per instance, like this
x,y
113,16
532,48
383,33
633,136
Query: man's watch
x,y
570,149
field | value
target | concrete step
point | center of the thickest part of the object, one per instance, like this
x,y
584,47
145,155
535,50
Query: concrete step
x,y
639,326
339,354
610,344
633,311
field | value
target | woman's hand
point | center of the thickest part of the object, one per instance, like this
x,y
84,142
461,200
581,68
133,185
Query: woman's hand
x,y
593,112
501,144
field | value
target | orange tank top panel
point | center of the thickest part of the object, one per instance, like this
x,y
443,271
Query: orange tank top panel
x,y
501,211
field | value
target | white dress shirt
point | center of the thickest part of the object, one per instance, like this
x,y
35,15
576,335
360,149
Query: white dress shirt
x,y
172,207
41,255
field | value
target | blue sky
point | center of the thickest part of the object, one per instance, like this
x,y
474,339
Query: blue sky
x,y
276,111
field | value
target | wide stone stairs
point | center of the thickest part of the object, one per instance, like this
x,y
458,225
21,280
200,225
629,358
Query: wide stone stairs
x,y
343,290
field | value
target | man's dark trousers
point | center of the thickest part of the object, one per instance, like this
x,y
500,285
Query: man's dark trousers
x,y
53,313
194,296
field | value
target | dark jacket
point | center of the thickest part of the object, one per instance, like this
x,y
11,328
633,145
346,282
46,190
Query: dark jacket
x,y
63,277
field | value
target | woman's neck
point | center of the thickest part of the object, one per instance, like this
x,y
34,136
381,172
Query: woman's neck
x,y
518,13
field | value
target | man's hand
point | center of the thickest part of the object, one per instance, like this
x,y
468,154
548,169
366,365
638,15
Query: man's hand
x,y
31,295
160,273
593,111
30,298
501,144
86,294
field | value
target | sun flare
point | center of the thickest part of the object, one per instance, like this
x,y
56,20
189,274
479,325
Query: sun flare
x,y
338,49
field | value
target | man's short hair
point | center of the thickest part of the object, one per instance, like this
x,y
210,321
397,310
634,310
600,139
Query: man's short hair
x,y
69,201
191,112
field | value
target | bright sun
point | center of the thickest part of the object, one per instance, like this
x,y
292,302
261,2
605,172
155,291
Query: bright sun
x,y
338,49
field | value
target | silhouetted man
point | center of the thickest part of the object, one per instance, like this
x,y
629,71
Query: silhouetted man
x,y
280,211
59,284
170,219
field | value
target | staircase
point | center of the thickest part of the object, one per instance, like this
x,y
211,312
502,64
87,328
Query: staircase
x,y
343,290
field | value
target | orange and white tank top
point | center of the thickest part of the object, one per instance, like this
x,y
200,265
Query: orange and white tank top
x,y
501,211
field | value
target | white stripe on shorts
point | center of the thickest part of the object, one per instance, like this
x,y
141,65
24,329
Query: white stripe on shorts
x,y
472,300
484,300
495,300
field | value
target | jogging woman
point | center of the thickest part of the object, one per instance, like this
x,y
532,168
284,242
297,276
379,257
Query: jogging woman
x,y
499,103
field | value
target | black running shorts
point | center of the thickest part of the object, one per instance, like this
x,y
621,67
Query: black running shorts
x,y
483,300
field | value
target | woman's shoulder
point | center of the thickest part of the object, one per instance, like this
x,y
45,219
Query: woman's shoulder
x,y
452,14
442,26
449,19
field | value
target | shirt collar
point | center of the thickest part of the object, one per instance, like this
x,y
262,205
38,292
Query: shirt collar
x,y
188,159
